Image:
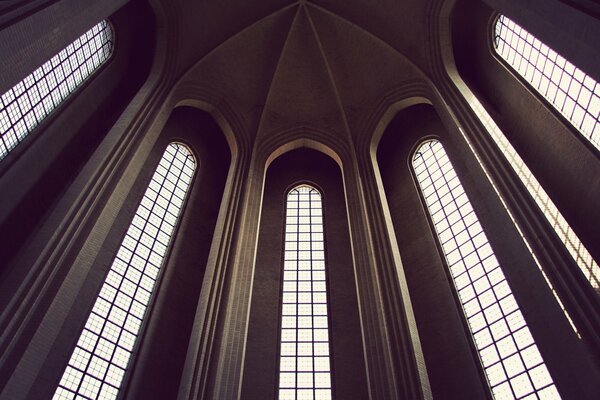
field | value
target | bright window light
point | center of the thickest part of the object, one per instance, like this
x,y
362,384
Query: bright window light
x,y
566,234
510,358
26,105
98,363
574,94
304,362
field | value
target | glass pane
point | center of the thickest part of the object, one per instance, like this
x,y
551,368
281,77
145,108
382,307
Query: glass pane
x,y
304,363
24,106
508,353
580,254
566,87
101,356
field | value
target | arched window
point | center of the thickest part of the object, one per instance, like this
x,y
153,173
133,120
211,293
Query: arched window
x,y
511,360
27,103
566,87
98,362
572,92
304,363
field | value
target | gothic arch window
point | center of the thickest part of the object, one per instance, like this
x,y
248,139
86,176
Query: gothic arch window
x,y
25,105
509,356
97,365
304,362
573,93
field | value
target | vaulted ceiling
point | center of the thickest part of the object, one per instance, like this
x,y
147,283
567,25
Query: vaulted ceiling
x,y
316,65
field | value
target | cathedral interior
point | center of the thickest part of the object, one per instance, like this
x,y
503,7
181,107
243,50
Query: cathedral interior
x,y
311,199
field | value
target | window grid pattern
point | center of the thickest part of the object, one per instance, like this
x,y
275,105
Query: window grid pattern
x,y
508,353
304,363
566,87
565,233
98,363
481,114
27,103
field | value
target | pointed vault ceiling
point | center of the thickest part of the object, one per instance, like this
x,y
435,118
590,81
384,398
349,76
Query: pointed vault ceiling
x,y
301,66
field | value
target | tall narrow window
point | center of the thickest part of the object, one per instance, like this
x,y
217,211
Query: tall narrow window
x,y
97,365
588,266
24,106
569,90
566,87
511,360
304,363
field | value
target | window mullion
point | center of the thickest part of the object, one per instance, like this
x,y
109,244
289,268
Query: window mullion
x,y
29,119
512,363
311,381
116,324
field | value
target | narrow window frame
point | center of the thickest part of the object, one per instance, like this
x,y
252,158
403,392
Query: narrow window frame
x,y
440,254
550,212
529,86
288,190
31,136
147,314
481,366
